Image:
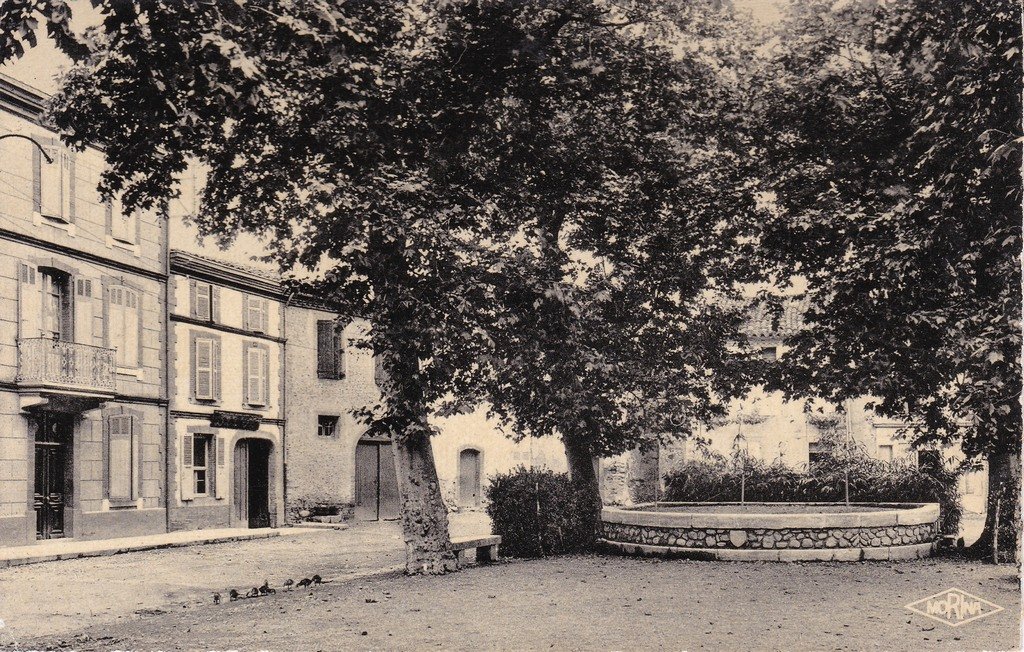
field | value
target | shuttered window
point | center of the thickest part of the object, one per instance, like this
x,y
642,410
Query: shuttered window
x,y
120,457
203,366
124,324
54,183
329,356
122,226
202,302
255,315
203,456
256,371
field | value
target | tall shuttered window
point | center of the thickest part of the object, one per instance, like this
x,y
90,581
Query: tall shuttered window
x,y
256,370
124,324
255,314
120,457
330,361
204,368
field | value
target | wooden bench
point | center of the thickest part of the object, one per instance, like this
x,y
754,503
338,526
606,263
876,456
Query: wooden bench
x,y
483,548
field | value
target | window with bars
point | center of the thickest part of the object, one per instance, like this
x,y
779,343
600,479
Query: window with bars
x,y
202,480
326,425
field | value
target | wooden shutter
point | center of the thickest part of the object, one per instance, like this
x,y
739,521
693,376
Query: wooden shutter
x,y
215,304
253,375
30,301
245,311
216,370
325,358
339,353
201,301
37,180
265,374
220,472
70,205
203,365
265,326
211,466
84,310
186,468
120,467
53,201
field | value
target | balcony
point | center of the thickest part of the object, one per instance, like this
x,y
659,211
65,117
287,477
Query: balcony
x,y
51,369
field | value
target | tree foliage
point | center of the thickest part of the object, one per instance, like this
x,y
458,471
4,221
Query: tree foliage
x,y
894,185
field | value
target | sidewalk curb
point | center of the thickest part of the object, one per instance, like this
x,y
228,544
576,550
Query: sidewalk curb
x,y
116,550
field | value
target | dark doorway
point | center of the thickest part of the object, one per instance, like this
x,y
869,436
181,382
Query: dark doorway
x,y
376,482
469,477
252,482
54,433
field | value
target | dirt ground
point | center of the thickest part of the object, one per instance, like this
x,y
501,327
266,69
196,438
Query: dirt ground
x,y
61,597
595,603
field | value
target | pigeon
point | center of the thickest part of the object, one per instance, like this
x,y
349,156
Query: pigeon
x,y
317,579
289,583
254,593
265,589
233,594
304,582
216,598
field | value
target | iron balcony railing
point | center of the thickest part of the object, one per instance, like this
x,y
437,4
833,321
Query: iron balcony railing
x,y
50,362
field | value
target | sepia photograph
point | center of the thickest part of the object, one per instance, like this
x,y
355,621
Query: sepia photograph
x,y
511,325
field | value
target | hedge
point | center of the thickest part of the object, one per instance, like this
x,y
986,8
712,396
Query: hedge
x,y
719,479
539,512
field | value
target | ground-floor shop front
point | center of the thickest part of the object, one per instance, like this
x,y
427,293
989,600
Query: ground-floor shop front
x,y
225,477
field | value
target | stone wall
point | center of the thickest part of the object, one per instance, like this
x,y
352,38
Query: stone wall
x,y
763,538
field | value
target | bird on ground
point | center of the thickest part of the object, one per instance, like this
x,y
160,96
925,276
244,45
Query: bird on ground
x,y
253,593
317,579
304,582
216,598
265,589
233,595
289,583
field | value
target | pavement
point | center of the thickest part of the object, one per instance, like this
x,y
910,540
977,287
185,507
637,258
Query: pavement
x,y
61,549
51,599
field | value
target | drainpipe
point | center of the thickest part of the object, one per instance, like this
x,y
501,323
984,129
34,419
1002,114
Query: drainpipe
x,y
284,406
168,366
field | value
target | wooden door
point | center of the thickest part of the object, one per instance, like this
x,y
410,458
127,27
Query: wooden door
x,y
469,477
259,483
50,493
388,504
376,482
240,491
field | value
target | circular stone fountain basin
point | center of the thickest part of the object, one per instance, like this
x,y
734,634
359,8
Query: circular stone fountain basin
x,y
774,531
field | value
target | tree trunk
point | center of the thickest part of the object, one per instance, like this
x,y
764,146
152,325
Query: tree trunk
x,y
428,549
580,460
1004,484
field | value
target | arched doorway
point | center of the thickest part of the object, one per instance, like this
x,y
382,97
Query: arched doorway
x,y
376,482
251,502
469,477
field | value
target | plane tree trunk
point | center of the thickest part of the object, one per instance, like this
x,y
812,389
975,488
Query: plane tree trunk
x,y
580,460
428,549
1004,485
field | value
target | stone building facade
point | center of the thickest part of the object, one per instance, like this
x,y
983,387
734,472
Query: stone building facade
x,y
328,376
227,400
83,290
